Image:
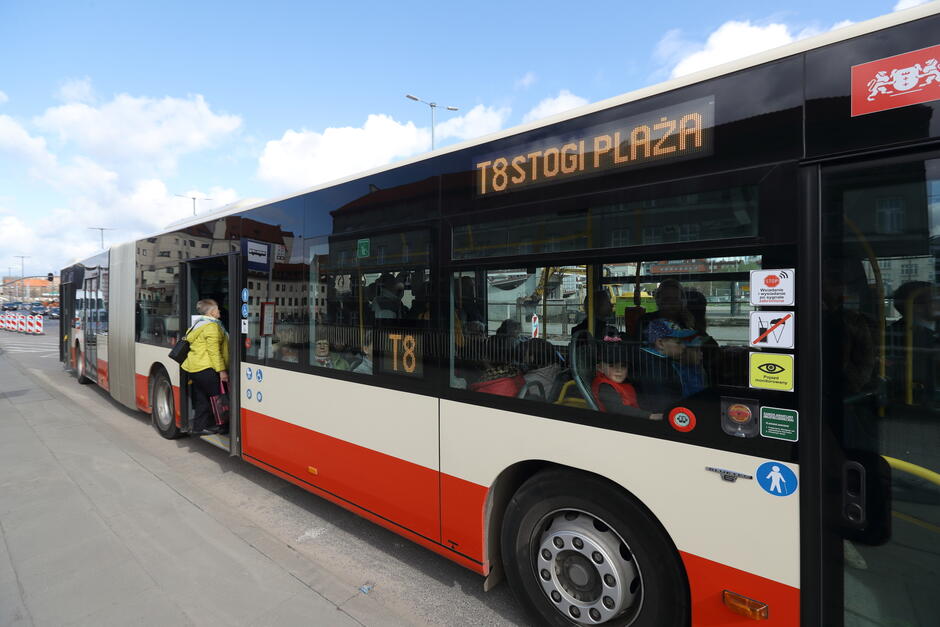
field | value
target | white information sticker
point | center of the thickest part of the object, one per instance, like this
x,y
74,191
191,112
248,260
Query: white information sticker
x,y
244,326
773,287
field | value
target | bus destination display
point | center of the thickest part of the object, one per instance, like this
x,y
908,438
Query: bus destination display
x,y
674,133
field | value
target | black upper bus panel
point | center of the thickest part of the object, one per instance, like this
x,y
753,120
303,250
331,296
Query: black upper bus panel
x,y
830,127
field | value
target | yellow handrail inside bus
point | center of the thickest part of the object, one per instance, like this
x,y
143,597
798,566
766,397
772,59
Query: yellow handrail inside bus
x,y
913,469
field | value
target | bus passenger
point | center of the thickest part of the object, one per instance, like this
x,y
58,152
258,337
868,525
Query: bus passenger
x,y
365,366
388,300
670,305
666,372
543,375
499,376
206,363
610,387
602,312
325,358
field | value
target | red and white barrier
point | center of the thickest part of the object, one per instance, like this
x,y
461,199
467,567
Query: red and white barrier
x,y
21,323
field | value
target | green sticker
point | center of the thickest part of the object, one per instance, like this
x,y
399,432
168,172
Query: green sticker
x,y
779,423
362,248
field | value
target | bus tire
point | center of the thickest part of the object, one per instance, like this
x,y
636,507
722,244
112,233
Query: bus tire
x,y
579,551
163,406
80,366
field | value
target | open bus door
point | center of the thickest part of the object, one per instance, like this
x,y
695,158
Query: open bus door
x,y
216,278
880,295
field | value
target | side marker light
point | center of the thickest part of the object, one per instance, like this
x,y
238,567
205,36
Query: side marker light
x,y
312,470
740,604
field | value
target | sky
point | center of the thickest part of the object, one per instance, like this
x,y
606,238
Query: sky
x,y
115,113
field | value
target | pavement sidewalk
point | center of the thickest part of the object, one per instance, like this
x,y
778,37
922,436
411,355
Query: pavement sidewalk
x,y
97,532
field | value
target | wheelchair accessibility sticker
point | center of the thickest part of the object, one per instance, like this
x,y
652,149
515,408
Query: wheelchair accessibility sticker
x,y
259,376
776,478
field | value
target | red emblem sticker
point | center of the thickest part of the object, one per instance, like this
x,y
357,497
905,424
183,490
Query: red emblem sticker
x,y
682,419
898,81
247,342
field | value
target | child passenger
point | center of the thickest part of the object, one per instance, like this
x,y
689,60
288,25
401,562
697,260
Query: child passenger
x,y
611,389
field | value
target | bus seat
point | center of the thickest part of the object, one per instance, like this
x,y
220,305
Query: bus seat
x,y
583,354
569,396
532,387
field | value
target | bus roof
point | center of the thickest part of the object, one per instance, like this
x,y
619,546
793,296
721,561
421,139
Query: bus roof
x,y
796,47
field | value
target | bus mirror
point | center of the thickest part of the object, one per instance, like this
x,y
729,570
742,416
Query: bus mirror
x,y
50,277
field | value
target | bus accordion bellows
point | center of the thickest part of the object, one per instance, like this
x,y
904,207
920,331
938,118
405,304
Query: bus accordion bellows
x,y
667,359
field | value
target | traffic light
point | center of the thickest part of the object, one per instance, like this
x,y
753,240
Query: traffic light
x,y
50,277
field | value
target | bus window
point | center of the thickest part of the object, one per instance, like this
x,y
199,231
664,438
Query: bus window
x,y
371,305
631,338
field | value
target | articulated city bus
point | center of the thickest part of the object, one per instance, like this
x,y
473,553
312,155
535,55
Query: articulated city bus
x,y
669,359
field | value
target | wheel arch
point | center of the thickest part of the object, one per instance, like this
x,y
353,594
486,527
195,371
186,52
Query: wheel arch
x,y
508,482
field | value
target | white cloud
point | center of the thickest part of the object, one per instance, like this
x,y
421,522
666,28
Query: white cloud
x,y
143,136
733,40
478,121
94,193
908,4
303,158
76,90
564,101
526,81
4,98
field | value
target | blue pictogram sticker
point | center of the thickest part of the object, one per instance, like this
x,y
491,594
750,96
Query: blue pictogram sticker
x,y
776,478
245,295
258,396
248,393
244,311
259,375
248,373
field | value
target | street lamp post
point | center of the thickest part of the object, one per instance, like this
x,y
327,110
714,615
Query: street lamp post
x,y
433,106
194,200
101,229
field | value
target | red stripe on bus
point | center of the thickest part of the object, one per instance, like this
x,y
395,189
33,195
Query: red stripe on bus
x,y
463,504
103,374
707,581
400,491
142,392
378,520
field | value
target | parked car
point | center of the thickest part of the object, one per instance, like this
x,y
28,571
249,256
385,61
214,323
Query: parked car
x,y
37,310
11,306
53,313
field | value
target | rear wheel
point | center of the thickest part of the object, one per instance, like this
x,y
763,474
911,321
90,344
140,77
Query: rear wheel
x,y
163,406
578,551
80,366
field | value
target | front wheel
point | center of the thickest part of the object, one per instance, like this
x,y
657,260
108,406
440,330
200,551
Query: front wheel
x,y
579,551
163,406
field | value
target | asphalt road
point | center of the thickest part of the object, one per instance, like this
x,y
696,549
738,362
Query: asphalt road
x,y
403,583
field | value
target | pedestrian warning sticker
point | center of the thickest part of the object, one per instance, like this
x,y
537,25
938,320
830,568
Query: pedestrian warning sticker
x,y
773,329
773,287
780,424
776,478
771,371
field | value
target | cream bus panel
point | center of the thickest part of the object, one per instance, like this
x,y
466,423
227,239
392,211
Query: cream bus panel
x,y
392,422
726,522
146,355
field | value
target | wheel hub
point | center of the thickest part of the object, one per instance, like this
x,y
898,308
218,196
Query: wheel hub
x,y
586,569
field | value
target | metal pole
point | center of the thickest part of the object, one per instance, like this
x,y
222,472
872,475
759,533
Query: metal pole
x,y
433,106
22,259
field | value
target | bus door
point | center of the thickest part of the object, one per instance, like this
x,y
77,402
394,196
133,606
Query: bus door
x,y
89,324
880,308
215,278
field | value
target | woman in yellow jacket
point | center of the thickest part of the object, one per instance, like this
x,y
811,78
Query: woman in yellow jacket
x,y
206,363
